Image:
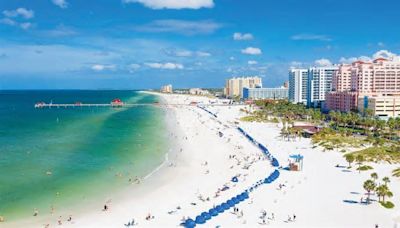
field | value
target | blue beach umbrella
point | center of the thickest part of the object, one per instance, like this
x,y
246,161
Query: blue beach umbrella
x,y
200,219
219,209
189,223
213,212
225,206
206,215
230,203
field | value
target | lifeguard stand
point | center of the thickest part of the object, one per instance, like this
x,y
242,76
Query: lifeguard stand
x,y
296,162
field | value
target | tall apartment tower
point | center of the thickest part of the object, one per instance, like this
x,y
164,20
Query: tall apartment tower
x,y
298,83
319,84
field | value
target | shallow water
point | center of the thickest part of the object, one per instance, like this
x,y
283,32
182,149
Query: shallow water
x,y
65,157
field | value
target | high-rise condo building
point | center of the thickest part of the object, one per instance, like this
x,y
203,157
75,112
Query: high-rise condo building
x,y
298,82
319,84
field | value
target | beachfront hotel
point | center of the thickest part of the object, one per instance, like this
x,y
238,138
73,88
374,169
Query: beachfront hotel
x,y
298,78
374,85
265,93
166,89
234,86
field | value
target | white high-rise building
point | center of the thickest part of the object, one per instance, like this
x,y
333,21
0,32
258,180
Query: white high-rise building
x,y
319,84
298,82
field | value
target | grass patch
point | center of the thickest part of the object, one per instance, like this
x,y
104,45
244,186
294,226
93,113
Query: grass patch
x,y
387,204
364,168
330,140
380,153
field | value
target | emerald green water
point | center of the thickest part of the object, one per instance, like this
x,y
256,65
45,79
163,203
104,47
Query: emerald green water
x,y
90,152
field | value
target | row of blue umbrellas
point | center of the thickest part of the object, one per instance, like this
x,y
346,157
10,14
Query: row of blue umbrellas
x,y
274,161
207,215
271,178
208,111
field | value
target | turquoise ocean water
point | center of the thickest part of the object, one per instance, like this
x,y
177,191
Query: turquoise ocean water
x,y
90,152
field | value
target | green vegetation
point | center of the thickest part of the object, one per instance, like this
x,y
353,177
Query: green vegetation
x,y
369,186
387,204
364,168
341,130
396,172
329,139
380,153
382,191
350,159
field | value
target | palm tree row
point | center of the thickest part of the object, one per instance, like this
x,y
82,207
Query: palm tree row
x,y
381,190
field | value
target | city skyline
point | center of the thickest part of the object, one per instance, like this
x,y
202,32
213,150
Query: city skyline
x,y
137,44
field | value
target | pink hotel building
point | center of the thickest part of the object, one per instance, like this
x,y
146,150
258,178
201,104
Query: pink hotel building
x,y
361,85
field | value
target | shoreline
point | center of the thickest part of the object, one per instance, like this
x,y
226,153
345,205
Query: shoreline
x,y
202,164
118,194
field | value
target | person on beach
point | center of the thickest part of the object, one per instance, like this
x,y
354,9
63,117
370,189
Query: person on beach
x,y
35,212
105,207
59,221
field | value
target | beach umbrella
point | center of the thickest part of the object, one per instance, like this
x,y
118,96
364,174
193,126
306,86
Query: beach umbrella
x,y
230,203
246,195
200,219
206,215
239,197
225,206
235,200
235,179
219,208
213,212
189,223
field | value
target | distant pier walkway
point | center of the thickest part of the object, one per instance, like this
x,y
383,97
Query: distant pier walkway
x,y
55,105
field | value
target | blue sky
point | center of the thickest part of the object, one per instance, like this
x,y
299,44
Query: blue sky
x,y
134,44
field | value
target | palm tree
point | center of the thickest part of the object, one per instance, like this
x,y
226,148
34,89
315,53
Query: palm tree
x,y
369,186
396,172
360,160
374,176
386,180
350,159
383,191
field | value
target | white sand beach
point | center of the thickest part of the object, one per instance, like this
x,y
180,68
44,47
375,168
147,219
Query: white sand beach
x,y
202,162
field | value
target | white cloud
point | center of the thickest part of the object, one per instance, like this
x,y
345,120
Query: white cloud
x,y
296,64
381,44
8,21
240,36
180,27
101,67
252,51
183,53
174,4
60,31
306,36
23,12
133,67
63,4
252,62
186,53
231,58
25,25
386,54
203,54
323,62
167,66
379,54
